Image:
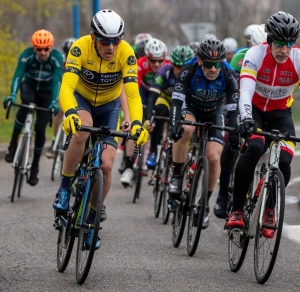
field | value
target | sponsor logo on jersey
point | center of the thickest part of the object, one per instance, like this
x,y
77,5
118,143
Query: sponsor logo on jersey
x,y
71,61
250,65
131,60
235,97
112,65
76,52
131,71
179,87
87,74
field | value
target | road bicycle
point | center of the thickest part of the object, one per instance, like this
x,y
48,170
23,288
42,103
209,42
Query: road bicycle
x,y
24,152
161,174
267,192
58,151
194,196
87,179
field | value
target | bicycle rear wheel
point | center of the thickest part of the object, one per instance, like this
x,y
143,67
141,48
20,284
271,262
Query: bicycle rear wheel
x,y
266,247
18,180
197,206
58,159
138,175
85,255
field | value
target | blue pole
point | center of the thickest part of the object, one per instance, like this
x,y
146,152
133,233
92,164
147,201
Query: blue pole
x,y
96,6
76,19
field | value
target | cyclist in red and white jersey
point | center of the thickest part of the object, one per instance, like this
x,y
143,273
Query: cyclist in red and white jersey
x,y
270,72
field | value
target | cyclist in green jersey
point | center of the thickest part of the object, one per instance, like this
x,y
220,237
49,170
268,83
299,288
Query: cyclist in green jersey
x,y
38,76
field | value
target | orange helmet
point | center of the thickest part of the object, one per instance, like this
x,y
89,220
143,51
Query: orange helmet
x,y
42,38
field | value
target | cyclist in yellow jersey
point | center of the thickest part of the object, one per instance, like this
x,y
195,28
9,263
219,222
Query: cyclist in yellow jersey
x,y
96,67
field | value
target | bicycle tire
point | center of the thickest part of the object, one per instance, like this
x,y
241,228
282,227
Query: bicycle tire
x,y
157,186
58,159
180,216
197,205
138,176
84,257
179,221
165,183
64,249
276,189
237,249
18,166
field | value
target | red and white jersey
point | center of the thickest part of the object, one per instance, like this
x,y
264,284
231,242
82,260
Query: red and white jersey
x,y
265,83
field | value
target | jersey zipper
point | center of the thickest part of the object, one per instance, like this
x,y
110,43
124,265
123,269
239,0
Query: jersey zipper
x,y
98,83
38,86
266,104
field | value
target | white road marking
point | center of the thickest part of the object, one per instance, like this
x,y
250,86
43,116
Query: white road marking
x,y
291,232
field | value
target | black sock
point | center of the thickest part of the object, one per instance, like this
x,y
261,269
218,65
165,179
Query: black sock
x,y
66,182
128,162
177,168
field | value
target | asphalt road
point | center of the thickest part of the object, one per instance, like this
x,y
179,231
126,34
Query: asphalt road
x,y
136,252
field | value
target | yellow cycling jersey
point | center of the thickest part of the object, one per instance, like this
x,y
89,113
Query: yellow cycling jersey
x,y
100,81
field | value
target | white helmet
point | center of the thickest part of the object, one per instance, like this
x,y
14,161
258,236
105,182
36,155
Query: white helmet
x,y
107,23
230,44
155,48
209,36
258,35
248,31
142,37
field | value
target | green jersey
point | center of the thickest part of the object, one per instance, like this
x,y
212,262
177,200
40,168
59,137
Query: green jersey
x,y
237,59
42,76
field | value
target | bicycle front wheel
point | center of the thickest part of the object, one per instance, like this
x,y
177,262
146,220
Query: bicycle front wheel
x,y
138,175
197,206
165,182
267,238
85,254
58,159
19,161
65,243
157,189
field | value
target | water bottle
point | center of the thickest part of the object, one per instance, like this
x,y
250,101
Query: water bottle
x,y
190,176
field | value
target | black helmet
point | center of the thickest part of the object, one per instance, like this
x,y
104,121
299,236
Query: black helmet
x,y
282,26
211,49
140,48
67,45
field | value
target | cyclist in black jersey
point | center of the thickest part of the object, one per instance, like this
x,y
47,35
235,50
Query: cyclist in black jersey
x,y
38,76
201,87
160,97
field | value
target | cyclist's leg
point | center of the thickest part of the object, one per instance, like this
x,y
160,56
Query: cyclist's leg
x,y
43,99
227,164
72,155
27,96
284,123
106,115
244,173
179,154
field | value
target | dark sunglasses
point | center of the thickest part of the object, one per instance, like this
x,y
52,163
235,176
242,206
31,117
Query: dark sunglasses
x,y
106,41
210,64
154,61
280,44
42,49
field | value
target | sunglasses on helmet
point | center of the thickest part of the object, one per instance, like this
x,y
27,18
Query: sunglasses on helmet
x,y
210,64
280,44
109,41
